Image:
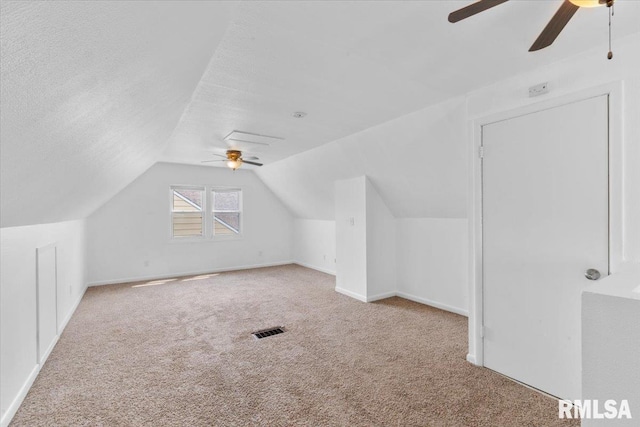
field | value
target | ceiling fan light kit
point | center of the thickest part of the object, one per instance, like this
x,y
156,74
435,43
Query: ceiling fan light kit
x,y
557,23
588,3
234,159
234,164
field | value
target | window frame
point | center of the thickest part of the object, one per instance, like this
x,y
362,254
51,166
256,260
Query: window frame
x,y
173,188
208,234
211,190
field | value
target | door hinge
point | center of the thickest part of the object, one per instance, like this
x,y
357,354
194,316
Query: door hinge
x,y
481,331
481,152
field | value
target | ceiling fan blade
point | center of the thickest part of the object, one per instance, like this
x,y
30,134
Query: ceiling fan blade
x,y
555,25
209,161
251,158
251,163
219,155
472,9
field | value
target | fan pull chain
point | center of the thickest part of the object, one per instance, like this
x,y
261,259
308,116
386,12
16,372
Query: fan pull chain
x,y
610,7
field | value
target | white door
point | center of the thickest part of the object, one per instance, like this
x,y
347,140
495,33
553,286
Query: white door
x,y
545,220
46,296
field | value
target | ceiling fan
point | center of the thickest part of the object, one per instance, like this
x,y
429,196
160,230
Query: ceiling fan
x,y
553,28
234,159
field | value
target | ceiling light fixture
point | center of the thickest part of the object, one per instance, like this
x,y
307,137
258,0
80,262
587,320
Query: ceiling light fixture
x,y
589,3
234,164
299,114
234,159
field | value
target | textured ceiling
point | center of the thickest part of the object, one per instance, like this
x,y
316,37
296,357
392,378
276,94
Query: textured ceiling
x,y
354,65
91,91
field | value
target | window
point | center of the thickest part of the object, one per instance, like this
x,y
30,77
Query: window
x,y
205,212
187,218
226,211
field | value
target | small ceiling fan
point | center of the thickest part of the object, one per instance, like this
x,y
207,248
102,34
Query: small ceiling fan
x,y
553,28
234,159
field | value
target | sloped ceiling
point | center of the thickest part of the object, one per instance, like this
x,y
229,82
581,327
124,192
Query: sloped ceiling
x,y
91,91
418,164
352,65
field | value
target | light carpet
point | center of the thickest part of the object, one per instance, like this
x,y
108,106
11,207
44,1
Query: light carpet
x,y
180,353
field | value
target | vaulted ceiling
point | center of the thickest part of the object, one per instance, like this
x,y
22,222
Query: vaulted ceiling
x,y
355,64
93,93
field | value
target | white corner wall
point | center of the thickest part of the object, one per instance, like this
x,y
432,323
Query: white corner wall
x,y
18,351
432,262
129,237
351,237
365,241
430,183
381,246
314,244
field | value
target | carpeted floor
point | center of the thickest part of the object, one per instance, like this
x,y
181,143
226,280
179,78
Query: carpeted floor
x,y
180,353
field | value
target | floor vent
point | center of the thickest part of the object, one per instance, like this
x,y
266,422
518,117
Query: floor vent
x,y
268,332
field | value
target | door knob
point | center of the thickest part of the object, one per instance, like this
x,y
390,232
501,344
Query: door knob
x,y
592,274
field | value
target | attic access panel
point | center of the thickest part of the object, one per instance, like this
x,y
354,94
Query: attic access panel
x,y
248,141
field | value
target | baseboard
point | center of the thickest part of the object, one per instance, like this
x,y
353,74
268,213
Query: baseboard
x,y
185,273
472,359
351,294
313,267
15,404
17,401
65,321
49,350
383,295
435,304
404,295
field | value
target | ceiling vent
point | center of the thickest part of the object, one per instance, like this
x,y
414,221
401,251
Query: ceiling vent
x,y
240,137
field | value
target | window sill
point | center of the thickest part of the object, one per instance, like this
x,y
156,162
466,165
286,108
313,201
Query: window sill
x,y
173,240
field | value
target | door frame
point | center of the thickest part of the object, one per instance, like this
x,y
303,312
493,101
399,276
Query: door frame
x,y
614,91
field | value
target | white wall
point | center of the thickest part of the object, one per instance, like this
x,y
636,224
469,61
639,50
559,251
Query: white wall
x,y
365,241
423,174
610,353
128,237
381,247
417,163
583,71
351,237
18,354
314,244
432,262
